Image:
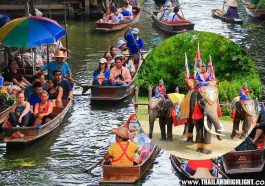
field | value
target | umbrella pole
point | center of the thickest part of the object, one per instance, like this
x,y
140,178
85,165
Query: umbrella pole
x,y
23,62
65,26
34,63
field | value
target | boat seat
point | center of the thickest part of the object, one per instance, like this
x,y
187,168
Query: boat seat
x,y
203,173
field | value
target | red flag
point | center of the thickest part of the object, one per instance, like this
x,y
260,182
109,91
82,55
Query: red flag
x,y
187,66
210,68
198,56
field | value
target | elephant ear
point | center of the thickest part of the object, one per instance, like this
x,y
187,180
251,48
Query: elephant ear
x,y
249,107
209,93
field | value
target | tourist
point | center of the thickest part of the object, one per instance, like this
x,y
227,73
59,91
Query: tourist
x,y
20,114
128,7
117,17
30,89
128,62
202,78
43,110
113,51
35,96
107,16
126,14
55,93
167,10
102,74
160,90
14,75
65,84
243,95
121,46
119,75
160,14
122,152
174,15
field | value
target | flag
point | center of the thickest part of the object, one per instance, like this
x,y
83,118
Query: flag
x,y
187,66
198,61
210,68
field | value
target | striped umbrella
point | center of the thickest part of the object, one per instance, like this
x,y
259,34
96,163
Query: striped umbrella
x,y
30,32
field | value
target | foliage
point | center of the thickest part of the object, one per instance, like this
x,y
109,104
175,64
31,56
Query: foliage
x,y
231,64
261,4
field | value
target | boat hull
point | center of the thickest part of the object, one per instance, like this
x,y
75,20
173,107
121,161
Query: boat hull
x,y
32,134
219,14
128,174
171,28
243,161
255,13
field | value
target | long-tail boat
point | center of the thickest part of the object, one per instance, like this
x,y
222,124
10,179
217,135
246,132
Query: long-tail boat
x,y
247,161
114,93
27,135
252,9
110,27
172,27
4,114
200,173
216,13
129,174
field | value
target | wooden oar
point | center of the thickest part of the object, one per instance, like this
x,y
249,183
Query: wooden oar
x,y
89,169
223,7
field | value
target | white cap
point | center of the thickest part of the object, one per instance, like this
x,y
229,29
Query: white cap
x,y
135,30
120,43
102,60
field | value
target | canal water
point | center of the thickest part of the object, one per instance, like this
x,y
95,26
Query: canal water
x,y
60,158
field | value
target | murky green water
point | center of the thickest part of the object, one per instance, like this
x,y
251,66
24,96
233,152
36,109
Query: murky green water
x,y
60,158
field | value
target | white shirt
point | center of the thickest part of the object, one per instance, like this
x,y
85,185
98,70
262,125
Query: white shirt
x,y
129,8
172,17
117,18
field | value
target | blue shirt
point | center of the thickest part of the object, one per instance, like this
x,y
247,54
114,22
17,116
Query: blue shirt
x,y
106,74
52,66
132,45
34,98
126,13
243,95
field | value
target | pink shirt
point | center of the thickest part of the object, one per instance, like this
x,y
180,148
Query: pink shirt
x,y
114,72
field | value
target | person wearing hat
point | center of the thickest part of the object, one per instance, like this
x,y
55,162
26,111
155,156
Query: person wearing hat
x,y
121,153
119,75
135,44
121,46
160,90
58,64
202,78
243,95
174,15
102,74
232,9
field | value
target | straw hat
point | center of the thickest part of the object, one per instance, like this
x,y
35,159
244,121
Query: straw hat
x,y
59,54
122,132
232,3
120,43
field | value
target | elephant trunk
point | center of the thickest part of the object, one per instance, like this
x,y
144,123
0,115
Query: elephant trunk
x,y
152,117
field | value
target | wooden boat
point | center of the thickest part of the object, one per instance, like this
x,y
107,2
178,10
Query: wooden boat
x,y
252,11
31,134
216,13
248,161
178,163
4,114
172,27
113,93
110,27
128,174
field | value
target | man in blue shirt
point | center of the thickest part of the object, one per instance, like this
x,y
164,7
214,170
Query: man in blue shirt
x,y
60,64
35,96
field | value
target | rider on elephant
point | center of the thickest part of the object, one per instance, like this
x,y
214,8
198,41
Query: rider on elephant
x,y
160,90
243,95
202,78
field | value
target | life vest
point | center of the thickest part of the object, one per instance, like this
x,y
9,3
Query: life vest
x,y
124,153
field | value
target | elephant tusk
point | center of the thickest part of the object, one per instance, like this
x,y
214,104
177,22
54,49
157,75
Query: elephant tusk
x,y
222,127
208,130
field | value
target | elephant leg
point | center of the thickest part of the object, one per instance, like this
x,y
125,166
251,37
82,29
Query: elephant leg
x,y
162,129
207,139
246,126
152,117
169,129
190,126
235,125
199,135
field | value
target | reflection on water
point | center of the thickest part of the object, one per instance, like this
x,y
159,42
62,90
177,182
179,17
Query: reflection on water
x,y
61,157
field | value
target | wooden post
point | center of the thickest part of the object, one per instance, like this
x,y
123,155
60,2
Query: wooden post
x,y
136,98
87,6
149,95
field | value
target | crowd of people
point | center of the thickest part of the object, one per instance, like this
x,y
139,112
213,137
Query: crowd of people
x,y
119,64
117,15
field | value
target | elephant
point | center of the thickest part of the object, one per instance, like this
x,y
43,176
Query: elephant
x,y
207,99
242,111
163,111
